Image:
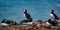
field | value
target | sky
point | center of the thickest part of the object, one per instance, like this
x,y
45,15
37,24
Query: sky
x,y
38,9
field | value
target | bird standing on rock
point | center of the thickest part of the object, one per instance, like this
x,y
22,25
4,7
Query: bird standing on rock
x,y
27,16
54,16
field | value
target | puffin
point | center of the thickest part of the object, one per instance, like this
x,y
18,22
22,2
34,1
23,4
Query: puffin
x,y
54,16
27,16
6,22
50,22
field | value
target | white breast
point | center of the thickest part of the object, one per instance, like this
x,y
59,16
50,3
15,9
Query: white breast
x,y
4,24
28,23
48,23
24,15
52,15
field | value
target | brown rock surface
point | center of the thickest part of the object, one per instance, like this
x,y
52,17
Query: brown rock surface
x,y
34,26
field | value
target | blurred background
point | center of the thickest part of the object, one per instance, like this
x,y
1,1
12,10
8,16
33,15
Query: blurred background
x,y
38,9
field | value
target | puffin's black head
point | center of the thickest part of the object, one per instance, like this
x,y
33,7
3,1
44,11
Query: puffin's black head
x,y
5,20
52,11
49,20
25,11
